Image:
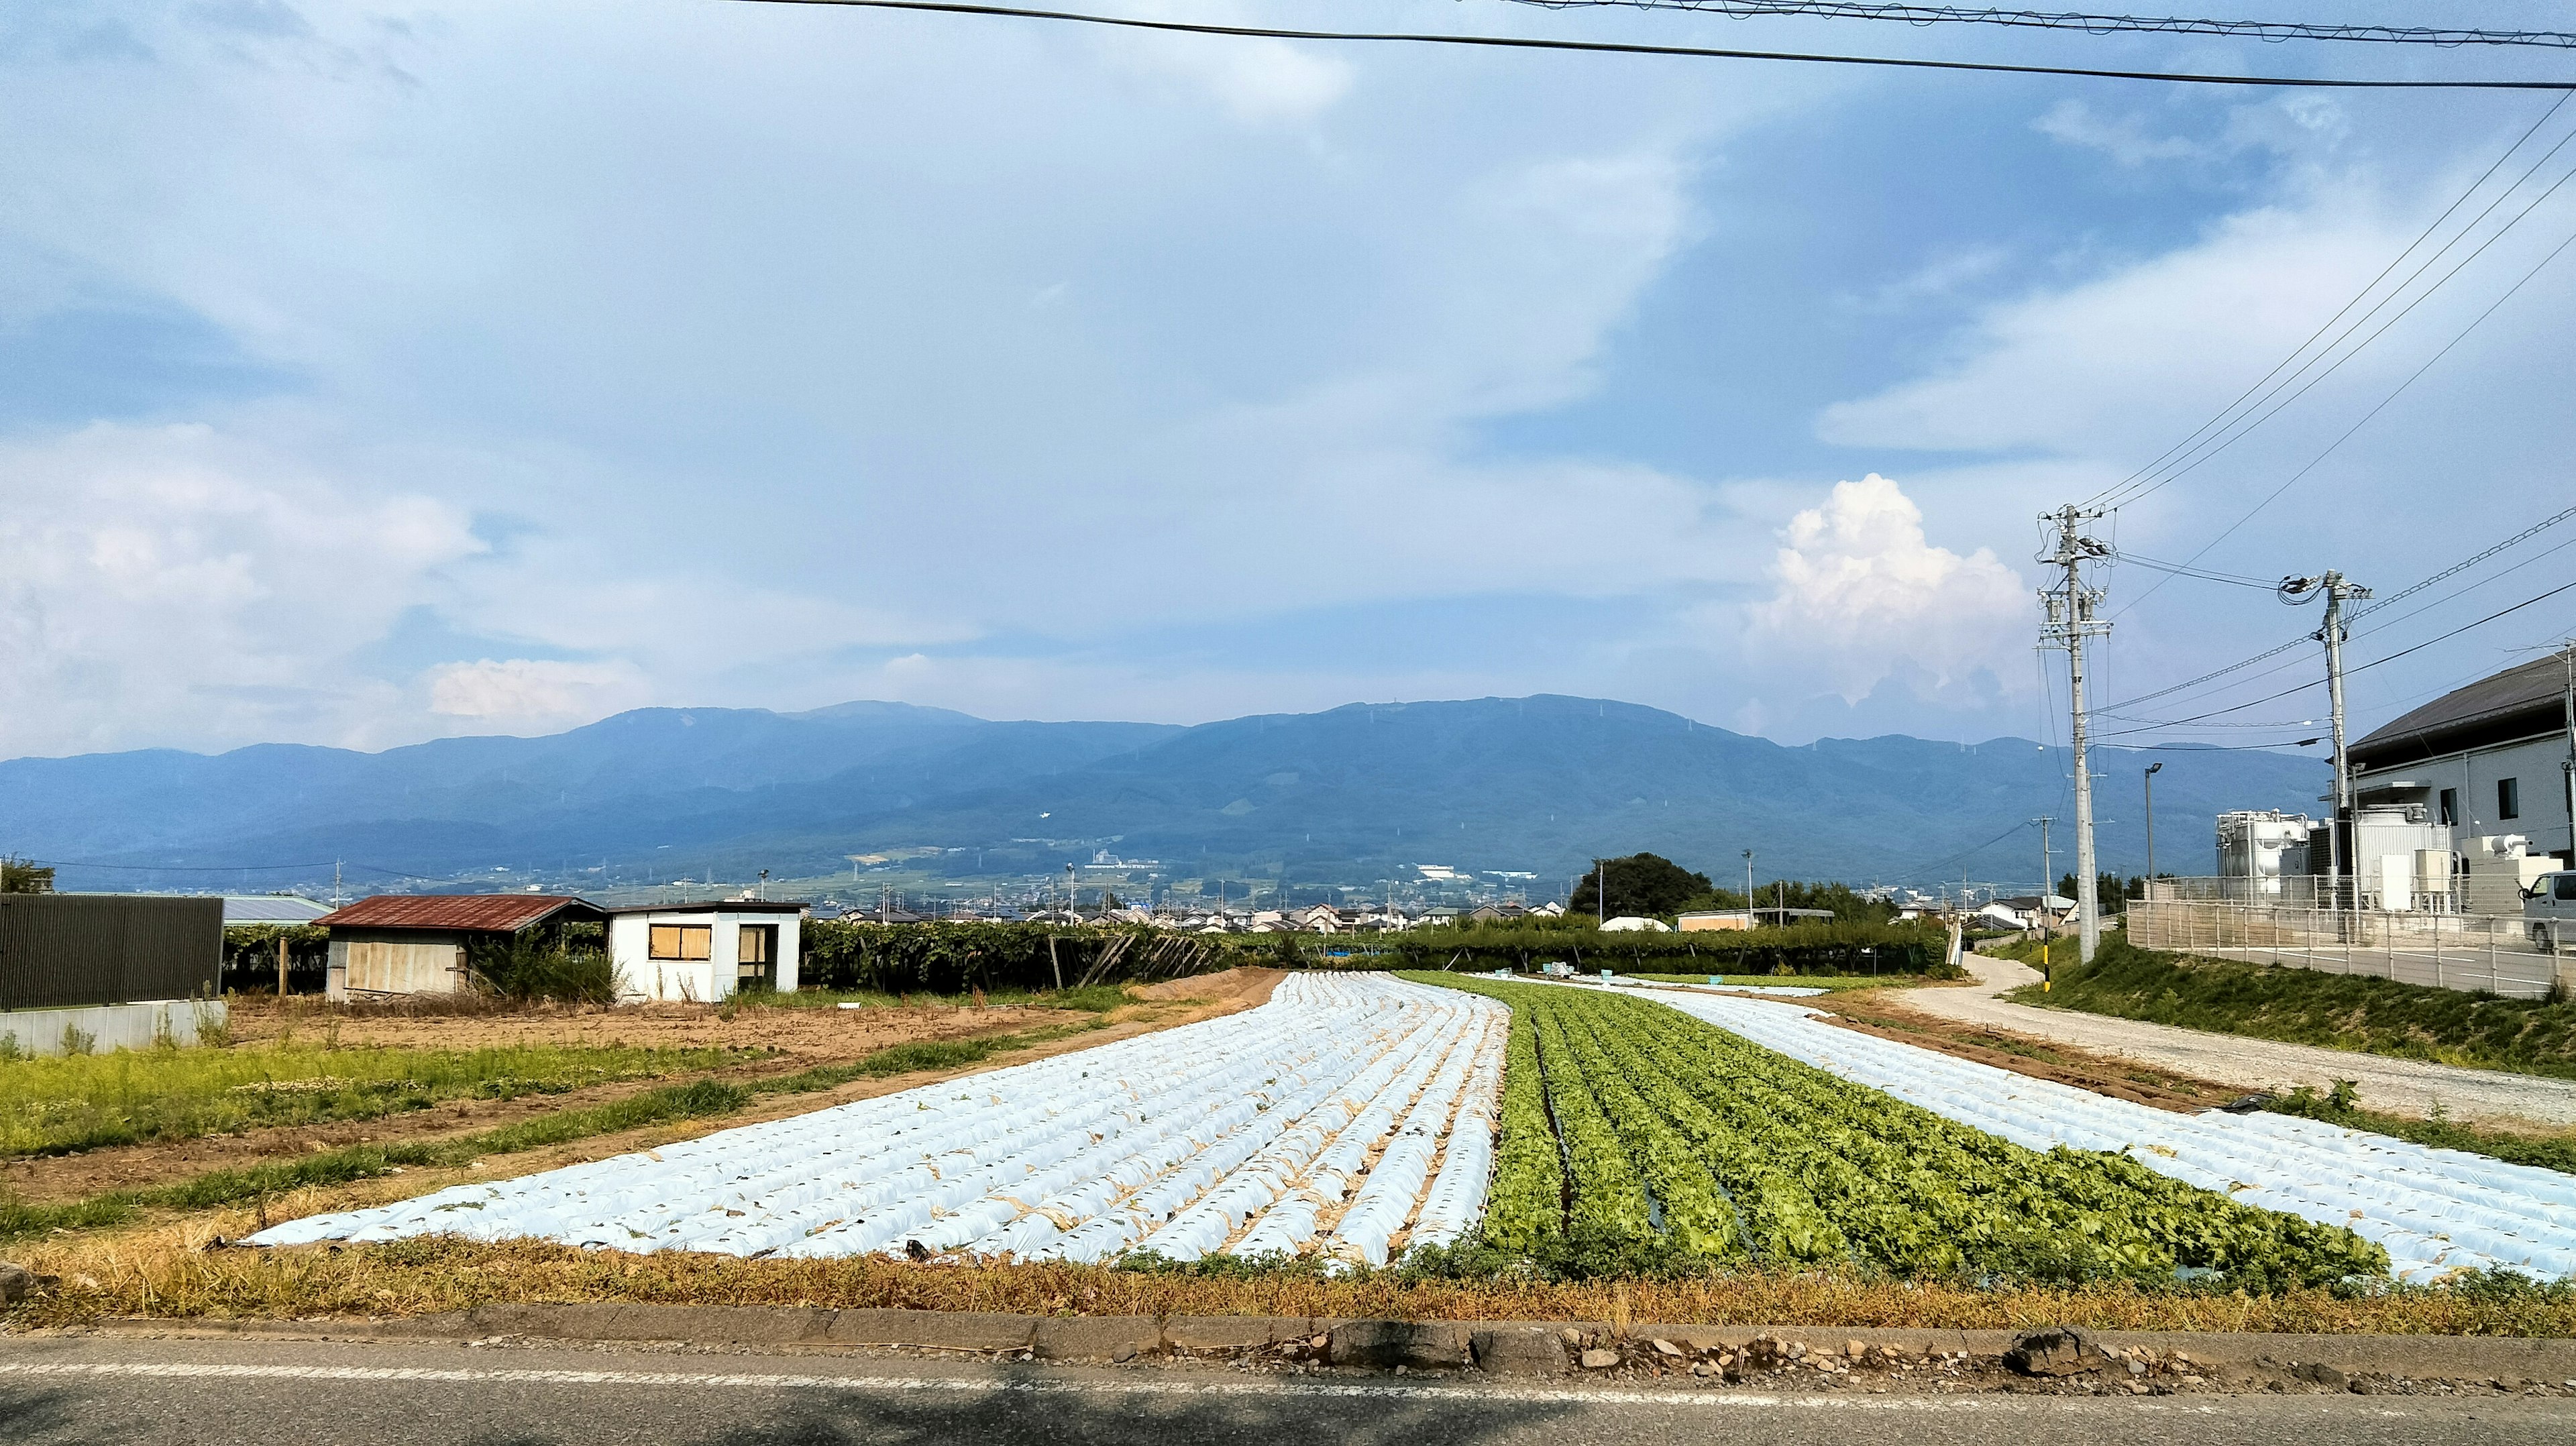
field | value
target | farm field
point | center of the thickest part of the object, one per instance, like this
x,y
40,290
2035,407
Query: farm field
x,y
1350,1115
301,1083
1594,1130
69,1103
1626,1121
2433,1211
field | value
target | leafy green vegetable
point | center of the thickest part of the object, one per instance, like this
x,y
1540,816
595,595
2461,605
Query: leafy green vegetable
x,y
1681,1134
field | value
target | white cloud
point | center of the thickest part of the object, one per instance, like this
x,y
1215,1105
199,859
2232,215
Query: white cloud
x,y
1256,81
2123,138
1861,594
534,690
161,579
2118,361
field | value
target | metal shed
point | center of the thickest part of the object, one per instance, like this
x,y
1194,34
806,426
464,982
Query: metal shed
x,y
107,970
397,944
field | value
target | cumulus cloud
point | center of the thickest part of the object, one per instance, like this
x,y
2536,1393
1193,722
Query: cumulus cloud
x,y
1863,594
153,574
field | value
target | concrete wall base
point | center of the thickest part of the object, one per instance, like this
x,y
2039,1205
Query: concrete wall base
x,y
107,1027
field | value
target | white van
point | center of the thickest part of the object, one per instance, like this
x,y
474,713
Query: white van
x,y
2549,910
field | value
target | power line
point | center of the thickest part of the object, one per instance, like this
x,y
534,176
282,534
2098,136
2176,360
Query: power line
x,y
2089,24
2454,570
2397,391
2235,430
2178,569
2373,663
2107,496
235,868
1612,47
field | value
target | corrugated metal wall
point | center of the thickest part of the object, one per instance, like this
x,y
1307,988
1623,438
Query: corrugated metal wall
x,y
63,950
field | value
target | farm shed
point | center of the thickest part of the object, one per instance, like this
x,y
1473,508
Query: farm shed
x,y
108,971
704,951
281,911
394,944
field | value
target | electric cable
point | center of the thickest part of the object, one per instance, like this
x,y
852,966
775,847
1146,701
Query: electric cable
x,y
2361,668
2090,24
2454,570
1612,47
2102,498
2394,393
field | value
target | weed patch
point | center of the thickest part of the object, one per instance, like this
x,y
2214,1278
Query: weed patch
x,y
73,1103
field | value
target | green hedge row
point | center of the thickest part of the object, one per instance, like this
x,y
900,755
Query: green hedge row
x,y
934,958
1838,948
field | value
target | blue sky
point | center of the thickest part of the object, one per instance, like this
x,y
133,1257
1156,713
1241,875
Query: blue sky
x,y
384,372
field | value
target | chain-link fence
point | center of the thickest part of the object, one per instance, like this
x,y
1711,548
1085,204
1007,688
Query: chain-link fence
x,y
2498,953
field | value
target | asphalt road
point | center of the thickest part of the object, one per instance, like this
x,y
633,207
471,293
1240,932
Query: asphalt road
x,y
129,1392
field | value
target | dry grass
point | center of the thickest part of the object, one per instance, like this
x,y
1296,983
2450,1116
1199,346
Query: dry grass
x,y
169,1271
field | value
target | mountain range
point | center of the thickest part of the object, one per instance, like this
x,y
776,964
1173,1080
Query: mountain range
x,y
1355,794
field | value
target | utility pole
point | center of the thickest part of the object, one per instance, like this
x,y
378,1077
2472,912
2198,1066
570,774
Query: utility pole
x,y
2337,591
2152,770
1748,888
2568,767
2072,617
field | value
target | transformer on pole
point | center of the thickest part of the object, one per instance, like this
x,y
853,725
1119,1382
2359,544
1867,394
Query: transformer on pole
x,y
2073,615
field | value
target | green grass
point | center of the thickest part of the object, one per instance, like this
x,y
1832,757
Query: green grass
x,y
70,1103
1795,981
2302,1006
697,1099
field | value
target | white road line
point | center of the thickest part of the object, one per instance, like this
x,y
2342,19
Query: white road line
x,y
1713,1400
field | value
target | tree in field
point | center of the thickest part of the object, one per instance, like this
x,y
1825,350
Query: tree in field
x,y
1638,884
18,876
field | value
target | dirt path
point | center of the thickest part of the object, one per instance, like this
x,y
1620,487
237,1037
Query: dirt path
x,y
2392,1086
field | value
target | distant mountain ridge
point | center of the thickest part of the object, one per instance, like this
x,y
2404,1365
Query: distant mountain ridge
x,y
1539,784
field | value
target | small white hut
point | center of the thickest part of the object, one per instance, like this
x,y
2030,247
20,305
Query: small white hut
x,y
704,952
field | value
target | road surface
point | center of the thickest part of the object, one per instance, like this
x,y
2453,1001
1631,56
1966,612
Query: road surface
x,y
2392,1086
131,1392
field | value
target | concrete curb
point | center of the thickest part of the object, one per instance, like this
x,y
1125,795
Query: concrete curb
x,y
1506,1347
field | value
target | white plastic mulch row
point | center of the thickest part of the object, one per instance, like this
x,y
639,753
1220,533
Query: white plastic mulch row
x,y
1313,1120
2435,1211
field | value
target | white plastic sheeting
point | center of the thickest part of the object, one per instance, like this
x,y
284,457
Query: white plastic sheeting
x,y
2435,1211
1312,1121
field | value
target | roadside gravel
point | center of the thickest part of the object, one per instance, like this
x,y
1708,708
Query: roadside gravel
x,y
2393,1086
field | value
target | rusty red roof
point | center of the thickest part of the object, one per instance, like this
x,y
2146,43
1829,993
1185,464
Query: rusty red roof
x,y
498,913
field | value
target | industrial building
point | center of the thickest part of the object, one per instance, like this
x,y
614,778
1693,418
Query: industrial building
x,y
2483,774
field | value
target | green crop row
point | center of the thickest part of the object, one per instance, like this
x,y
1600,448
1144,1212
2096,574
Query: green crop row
x,y
1529,1167
1682,1137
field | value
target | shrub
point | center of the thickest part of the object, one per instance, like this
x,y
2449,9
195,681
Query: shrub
x,y
528,967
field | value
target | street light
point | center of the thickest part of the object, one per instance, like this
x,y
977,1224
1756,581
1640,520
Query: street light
x,y
2151,823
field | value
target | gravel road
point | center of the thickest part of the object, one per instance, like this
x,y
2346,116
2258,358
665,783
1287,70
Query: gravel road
x,y
2392,1086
